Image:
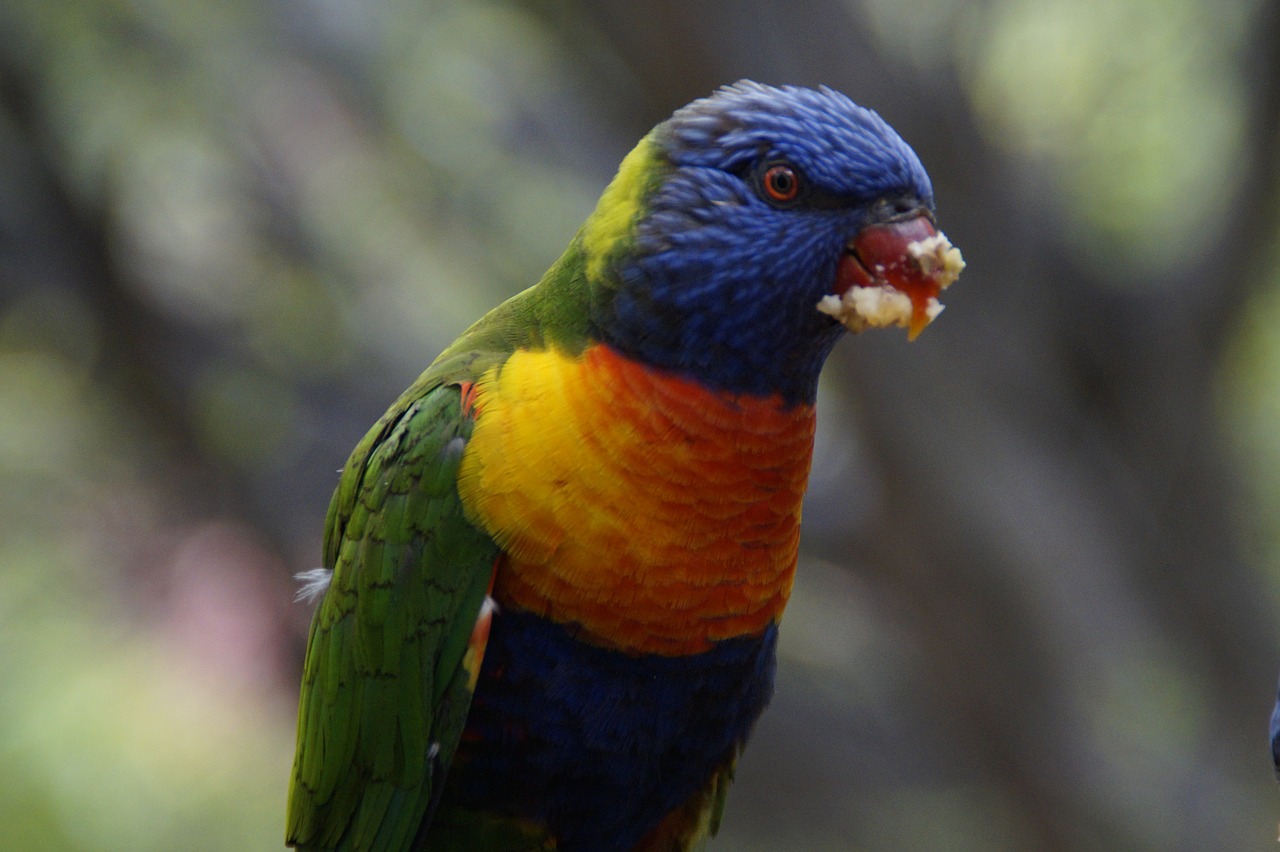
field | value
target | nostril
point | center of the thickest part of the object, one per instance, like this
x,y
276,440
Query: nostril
x,y
896,208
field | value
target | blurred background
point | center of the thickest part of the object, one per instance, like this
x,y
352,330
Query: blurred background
x,y
1039,601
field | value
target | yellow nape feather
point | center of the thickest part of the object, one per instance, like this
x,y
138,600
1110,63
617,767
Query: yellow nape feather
x,y
620,205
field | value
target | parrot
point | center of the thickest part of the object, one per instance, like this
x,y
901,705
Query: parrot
x,y
554,570
1275,735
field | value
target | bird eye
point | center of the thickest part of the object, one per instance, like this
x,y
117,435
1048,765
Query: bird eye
x,y
780,183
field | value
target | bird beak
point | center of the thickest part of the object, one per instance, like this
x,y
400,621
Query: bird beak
x,y
886,262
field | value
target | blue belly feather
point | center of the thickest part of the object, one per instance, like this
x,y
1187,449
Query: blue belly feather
x,y
598,744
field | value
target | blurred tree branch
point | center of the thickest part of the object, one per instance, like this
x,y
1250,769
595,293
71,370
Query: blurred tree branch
x,y
1092,407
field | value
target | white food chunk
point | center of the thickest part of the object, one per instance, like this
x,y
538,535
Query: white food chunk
x,y
874,307
937,259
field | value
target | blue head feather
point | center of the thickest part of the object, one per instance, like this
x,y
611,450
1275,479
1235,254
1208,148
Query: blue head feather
x,y
719,283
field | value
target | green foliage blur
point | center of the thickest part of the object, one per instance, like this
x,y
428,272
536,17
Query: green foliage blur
x,y
231,233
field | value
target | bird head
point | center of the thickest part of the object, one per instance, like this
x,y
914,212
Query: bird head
x,y
746,232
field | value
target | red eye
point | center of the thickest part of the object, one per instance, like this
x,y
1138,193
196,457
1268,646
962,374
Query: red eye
x,y
780,183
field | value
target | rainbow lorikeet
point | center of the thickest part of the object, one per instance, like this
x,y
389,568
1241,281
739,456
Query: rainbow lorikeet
x,y
556,566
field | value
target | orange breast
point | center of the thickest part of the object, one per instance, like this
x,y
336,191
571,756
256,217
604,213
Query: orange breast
x,y
657,515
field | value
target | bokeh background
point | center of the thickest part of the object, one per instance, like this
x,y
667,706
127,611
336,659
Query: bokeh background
x,y
1039,602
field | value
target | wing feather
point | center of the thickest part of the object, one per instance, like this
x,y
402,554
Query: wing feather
x,y
385,692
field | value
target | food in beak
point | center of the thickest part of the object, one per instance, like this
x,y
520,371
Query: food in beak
x,y
891,275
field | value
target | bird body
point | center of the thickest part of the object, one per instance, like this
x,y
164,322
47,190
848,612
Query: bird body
x,y
560,559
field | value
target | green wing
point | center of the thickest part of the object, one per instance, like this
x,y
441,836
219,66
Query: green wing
x,y
385,691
